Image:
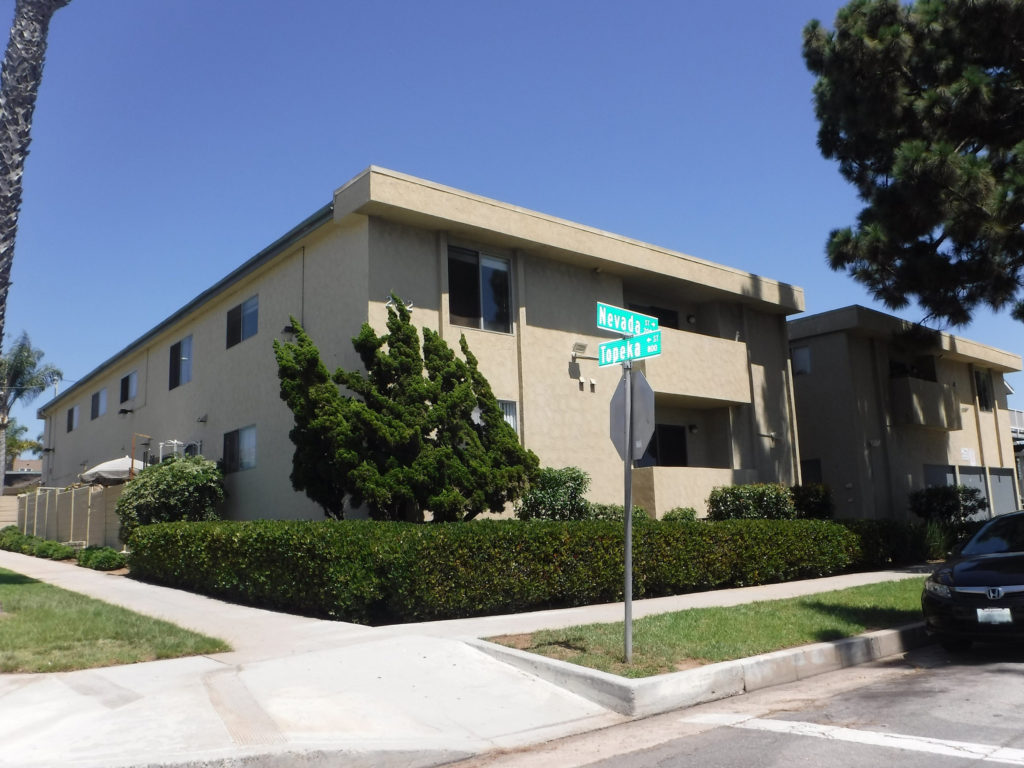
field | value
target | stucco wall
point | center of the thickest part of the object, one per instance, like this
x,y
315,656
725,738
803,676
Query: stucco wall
x,y
341,274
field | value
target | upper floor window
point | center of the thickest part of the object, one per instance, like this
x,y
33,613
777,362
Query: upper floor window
x,y
129,386
243,321
667,318
98,404
72,418
479,290
240,449
801,357
983,386
180,363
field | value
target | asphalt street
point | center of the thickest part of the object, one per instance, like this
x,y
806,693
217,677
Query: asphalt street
x,y
922,709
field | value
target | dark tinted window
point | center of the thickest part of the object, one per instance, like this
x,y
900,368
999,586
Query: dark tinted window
x,y
1002,534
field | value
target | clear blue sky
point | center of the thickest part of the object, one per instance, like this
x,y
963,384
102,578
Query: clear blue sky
x,y
173,139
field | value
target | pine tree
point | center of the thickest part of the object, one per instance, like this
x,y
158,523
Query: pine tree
x,y
419,431
922,105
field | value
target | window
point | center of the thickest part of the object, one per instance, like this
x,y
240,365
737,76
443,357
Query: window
x,y
667,447
243,321
98,406
240,449
129,386
983,386
810,471
667,318
479,294
801,357
72,418
508,410
180,363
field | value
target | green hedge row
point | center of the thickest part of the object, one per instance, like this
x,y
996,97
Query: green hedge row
x,y
375,572
13,540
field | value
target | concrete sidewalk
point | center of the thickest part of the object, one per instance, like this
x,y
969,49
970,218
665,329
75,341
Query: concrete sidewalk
x,y
303,691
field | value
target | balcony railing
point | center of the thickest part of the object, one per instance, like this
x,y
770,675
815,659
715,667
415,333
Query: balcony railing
x,y
922,403
701,367
1017,422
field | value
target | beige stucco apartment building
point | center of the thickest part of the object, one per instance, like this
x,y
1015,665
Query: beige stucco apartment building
x,y
521,285
886,407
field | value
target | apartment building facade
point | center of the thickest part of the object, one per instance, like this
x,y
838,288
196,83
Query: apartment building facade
x,y
886,407
520,285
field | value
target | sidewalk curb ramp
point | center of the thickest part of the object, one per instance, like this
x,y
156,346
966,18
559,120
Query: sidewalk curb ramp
x,y
662,693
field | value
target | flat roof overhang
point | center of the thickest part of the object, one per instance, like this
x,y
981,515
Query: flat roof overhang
x,y
862,321
409,200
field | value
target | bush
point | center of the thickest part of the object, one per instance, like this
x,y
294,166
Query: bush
x,y
101,558
951,505
13,540
761,501
178,488
556,494
373,572
617,512
813,501
885,543
680,515
51,550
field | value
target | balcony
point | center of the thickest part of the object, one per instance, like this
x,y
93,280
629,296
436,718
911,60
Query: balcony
x,y
921,403
659,489
699,367
1017,427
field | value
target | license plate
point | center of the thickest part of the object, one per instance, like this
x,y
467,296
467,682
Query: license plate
x,y
994,616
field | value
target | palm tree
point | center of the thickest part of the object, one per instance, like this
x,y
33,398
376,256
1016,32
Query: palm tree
x,y
17,444
19,83
22,379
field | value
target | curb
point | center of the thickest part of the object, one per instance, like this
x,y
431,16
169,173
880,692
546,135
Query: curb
x,y
676,690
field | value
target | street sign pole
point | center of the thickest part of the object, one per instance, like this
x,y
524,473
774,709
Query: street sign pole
x,y
627,371
640,339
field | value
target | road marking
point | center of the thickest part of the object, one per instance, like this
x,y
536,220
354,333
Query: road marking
x,y
945,747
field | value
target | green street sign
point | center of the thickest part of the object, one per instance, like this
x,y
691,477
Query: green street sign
x,y
619,320
635,348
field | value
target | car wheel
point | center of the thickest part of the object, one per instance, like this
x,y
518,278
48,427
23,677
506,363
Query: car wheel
x,y
955,644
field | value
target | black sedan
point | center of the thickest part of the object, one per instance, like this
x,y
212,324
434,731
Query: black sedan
x,y
978,594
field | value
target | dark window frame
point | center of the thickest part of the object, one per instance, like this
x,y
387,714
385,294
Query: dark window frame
x,y
126,386
242,321
178,373
983,388
468,305
98,404
232,458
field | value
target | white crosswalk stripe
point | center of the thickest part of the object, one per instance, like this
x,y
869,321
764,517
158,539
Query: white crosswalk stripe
x,y
945,747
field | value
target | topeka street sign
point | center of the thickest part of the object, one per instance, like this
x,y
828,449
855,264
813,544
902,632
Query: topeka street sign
x,y
634,348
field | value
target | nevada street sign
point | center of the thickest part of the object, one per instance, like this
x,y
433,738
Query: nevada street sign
x,y
623,321
635,348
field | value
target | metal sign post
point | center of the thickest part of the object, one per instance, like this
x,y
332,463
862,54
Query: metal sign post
x,y
641,339
627,373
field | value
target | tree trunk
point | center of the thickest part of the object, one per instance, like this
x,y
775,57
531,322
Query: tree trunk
x,y
3,452
22,71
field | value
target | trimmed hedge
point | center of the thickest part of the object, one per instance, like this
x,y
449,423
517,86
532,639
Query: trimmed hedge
x,y
758,501
13,540
376,572
101,558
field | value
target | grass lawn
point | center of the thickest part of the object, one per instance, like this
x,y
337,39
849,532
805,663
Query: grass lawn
x,y
675,641
47,629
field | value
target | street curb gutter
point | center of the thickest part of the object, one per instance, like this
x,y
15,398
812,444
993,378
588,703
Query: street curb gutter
x,y
662,693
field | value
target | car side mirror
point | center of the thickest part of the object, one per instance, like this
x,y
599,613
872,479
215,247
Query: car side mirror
x,y
956,550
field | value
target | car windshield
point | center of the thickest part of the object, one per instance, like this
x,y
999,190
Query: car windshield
x,y
1004,534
